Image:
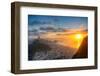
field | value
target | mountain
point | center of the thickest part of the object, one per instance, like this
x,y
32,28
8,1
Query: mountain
x,y
83,49
42,49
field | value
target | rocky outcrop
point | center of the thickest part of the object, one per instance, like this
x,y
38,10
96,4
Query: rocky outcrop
x,y
83,49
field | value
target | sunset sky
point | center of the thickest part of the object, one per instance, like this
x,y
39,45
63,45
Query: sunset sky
x,y
68,22
63,34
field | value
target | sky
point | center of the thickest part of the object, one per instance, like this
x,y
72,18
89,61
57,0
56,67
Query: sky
x,y
69,22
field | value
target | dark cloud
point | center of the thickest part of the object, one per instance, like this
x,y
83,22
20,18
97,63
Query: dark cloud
x,y
39,22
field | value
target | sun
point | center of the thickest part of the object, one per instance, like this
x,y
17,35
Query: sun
x,y
78,36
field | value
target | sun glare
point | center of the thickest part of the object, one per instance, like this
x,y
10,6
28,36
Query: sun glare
x,y
79,36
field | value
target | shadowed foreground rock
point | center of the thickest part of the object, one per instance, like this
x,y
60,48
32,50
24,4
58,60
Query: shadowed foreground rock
x,y
83,49
41,49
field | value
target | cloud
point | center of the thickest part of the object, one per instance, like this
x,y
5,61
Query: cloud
x,y
39,22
